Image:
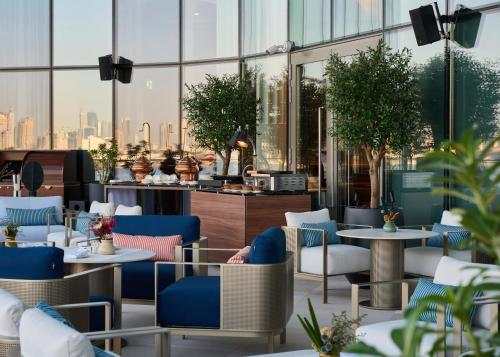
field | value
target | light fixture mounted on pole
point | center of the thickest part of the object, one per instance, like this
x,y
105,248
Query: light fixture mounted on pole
x,y
121,70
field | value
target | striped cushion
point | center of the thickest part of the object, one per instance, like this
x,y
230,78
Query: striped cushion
x,y
312,237
241,257
83,223
49,310
426,288
31,217
163,246
456,240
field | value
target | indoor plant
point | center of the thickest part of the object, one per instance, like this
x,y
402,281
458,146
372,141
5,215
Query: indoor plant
x,y
216,108
329,340
374,98
103,228
105,158
137,161
10,231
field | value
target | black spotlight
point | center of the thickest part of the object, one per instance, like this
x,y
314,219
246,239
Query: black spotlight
x,y
425,25
466,27
121,70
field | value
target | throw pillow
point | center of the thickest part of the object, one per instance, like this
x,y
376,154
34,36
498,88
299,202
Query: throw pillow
x,y
312,237
122,210
457,238
11,310
83,221
100,353
425,289
163,246
241,257
268,248
104,209
31,217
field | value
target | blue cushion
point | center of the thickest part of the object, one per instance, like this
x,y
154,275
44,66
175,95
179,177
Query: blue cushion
x,y
31,217
312,238
187,226
34,263
100,353
456,240
98,313
268,248
426,288
193,301
49,310
83,224
138,279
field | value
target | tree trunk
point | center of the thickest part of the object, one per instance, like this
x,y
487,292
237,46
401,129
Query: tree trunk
x,y
226,160
374,184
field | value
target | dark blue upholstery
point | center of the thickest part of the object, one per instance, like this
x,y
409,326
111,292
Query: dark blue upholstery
x,y
193,301
139,281
138,277
35,263
98,313
269,247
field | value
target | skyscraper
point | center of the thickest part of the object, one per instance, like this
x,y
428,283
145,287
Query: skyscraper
x,y
25,133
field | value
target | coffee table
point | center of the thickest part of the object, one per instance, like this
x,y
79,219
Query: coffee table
x,y
387,262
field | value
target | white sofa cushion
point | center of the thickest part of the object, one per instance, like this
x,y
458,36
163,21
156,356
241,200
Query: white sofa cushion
x,y
32,203
11,310
451,219
342,259
37,233
104,209
123,210
295,219
59,237
43,336
424,260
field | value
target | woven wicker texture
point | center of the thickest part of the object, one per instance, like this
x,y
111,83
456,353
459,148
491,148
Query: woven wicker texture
x,y
293,238
5,346
257,297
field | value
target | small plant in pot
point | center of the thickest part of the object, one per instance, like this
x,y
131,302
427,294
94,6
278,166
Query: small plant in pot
x,y
105,158
375,102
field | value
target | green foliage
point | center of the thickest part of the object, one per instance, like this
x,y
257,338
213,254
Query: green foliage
x,y
133,152
105,158
374,98
215,109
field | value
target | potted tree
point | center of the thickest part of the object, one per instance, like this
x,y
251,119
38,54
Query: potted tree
x,y
375,102
105,158
216,108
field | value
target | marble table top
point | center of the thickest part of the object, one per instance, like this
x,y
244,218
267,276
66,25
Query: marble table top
x,y
378,233
122,255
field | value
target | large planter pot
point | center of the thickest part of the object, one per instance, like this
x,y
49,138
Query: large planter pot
x,y
96,192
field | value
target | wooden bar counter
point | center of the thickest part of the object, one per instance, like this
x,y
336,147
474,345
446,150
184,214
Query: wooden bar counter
x,y
233,221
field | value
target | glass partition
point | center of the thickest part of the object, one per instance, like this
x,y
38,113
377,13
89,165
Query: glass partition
x,y
355,17
310,21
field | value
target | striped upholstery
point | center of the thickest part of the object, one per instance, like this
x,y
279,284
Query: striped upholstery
x,y
163,246
457,238
30,217
240,257
313,238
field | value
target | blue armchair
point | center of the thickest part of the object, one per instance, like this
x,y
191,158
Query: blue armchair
x,y
138,281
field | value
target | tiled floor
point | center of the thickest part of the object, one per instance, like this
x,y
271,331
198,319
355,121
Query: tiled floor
x,y
140,315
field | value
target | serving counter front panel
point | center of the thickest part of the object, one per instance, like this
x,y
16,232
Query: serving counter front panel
x,y
233,221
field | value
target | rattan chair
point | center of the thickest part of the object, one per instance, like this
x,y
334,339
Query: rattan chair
x,y
256,300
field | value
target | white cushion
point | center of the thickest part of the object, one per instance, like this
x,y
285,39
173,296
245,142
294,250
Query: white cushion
x,y
295,219
59,237
37,233
104,209
342,259
451,219
11,310
123,210
43,336
32,203
456,272
424,260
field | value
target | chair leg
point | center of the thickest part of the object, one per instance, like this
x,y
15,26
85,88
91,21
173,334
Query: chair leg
x,y
162,345
325,289
270,343
283,337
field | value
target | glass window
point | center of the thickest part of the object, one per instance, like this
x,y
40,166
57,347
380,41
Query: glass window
x,y
194,74
271,88
397,11
264,24
82,109
24,110
310,21
153,98
148,30
82,31
354,17
471,3
24,38
411,187
210,29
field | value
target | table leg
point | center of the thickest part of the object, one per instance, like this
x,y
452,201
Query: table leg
x,y
387,263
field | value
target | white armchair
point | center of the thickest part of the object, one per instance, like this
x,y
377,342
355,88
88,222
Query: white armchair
x,y
320,262
423,260
451,272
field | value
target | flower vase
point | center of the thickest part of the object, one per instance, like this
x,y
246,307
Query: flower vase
x,y
106,247
11,241
389,227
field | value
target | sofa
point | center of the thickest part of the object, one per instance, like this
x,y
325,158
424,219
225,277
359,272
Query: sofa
x,y
138,281
36,233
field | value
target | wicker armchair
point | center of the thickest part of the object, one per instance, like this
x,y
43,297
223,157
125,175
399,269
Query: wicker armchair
x,y
256,300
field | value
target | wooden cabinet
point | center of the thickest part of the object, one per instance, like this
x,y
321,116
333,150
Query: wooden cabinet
x,y
233,221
